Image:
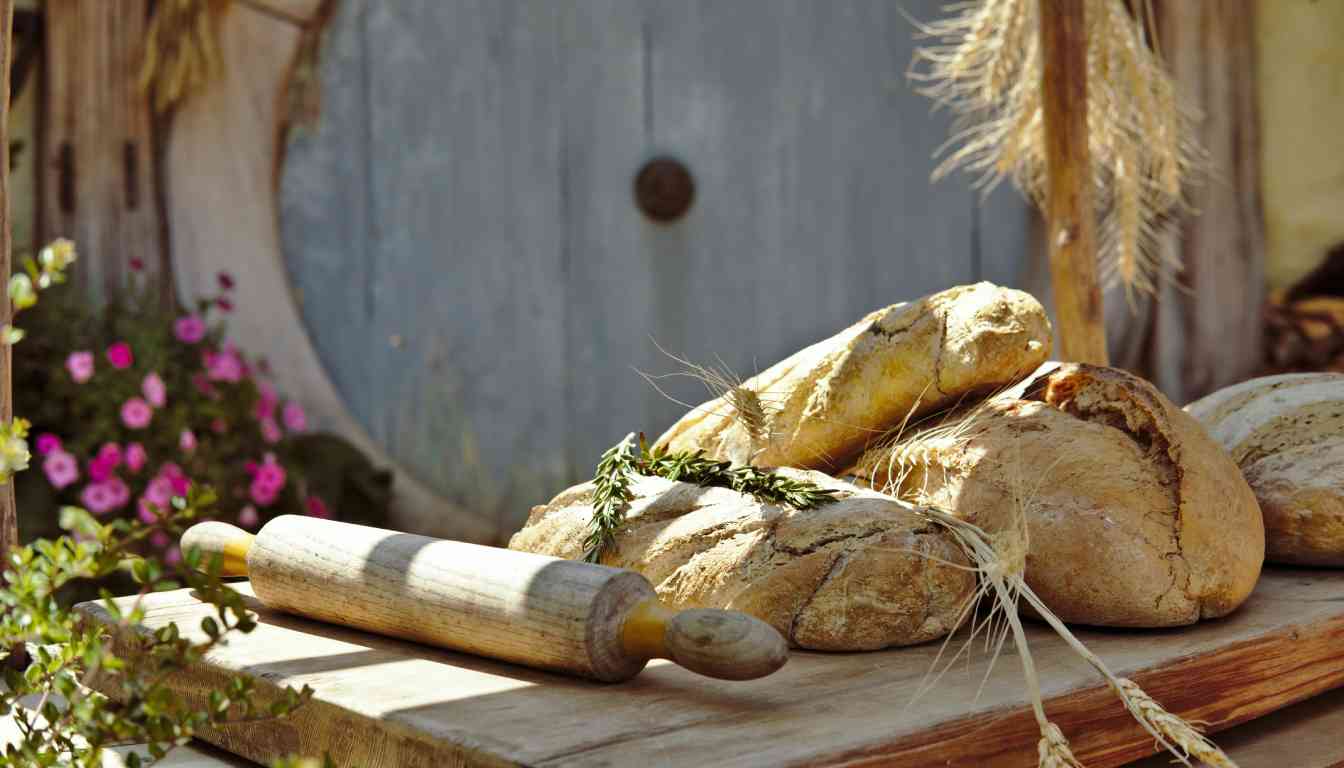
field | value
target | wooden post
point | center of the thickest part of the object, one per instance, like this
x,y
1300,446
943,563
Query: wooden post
x,y
1070,218
9,519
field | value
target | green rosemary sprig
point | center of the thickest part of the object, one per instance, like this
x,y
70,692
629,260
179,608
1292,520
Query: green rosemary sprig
x,y
612,493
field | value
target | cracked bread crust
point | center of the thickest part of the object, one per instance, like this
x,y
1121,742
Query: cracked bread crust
x,y
1135,517
827,402
1287,434
861,573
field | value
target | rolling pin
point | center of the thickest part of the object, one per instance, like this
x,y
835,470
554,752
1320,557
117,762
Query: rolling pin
x,y
538,611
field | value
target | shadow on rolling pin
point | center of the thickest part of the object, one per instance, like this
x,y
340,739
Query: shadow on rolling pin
x,y
542,612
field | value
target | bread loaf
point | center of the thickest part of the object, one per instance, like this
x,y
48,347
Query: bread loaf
x,y
1134,516
860,573
1287,434
819,408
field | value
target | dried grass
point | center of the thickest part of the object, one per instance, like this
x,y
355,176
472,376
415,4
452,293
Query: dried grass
x,y
985,65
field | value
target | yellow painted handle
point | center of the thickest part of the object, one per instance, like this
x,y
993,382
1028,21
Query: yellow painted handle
x,y
728,645
220,539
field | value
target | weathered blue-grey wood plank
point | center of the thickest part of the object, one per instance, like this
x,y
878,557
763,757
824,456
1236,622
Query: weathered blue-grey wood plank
x,y
473,266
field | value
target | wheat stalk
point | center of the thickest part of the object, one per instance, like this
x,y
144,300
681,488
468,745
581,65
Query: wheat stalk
x,y
985,66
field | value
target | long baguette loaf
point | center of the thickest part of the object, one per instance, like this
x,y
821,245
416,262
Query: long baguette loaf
x,y
819,408
861,573
1287,434
1134,516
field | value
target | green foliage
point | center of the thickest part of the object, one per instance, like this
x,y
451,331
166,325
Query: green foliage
x,y
64,723
611,483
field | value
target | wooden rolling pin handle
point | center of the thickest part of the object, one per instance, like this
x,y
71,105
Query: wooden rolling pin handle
x,y
728,645
216,539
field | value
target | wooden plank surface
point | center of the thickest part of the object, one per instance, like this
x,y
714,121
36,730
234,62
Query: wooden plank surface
x,y
474,271
383,703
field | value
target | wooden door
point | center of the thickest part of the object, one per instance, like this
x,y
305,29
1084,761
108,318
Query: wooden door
x,y
470,261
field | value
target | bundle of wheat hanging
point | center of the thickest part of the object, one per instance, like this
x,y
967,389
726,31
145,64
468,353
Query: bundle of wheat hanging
x,y
986,67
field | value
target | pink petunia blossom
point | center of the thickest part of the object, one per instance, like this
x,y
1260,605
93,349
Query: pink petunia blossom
x,y
226,365
170,469
173,556
160,539
99,470
98,498
225,281
110,453
267,400
187,441
136,413
80,366
203,385
268,480
61,469
189,329
135,457
270,431
121,493
154,390
159,492
148,514
224,304
295,418
248,517
181,485
46,443
119,355
316,507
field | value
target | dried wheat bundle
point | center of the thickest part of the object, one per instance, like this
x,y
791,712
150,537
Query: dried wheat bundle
x,y
986,66
181,51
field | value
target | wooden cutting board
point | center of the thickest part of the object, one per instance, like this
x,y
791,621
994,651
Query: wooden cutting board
x,y
382,703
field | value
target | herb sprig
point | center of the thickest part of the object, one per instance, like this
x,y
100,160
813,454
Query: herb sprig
x,y
612,495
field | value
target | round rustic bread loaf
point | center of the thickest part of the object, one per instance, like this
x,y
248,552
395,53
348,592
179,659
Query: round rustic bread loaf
x,y
1287,435
861,573
820,407
1134,516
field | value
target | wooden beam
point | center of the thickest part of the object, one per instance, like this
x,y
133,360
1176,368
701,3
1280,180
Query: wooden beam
x,y
9,521
1071,222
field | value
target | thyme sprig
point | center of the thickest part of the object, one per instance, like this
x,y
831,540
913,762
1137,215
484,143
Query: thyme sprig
x,y
612,495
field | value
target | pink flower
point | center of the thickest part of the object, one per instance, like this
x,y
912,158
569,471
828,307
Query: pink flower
x,y
225,365
219,426
136,413
119,355
46,443
248,517
181,485
110,454
159,492
267,400
316,507
80,366
169,469
121,493
270,431
61,469
268,479
148,514
189,329
154,390
160,540
173,556
99,470
187,441
295,419
98,498
204,386
224,304
135,457
225,281
137,264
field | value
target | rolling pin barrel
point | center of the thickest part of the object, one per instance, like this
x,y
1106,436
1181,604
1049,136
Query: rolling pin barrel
x,y
584,619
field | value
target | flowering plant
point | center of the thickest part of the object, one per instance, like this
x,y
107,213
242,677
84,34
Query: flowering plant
x,y
133,403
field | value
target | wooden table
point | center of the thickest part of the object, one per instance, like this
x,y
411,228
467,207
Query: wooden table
x,y
384,703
